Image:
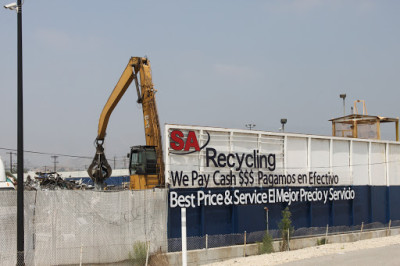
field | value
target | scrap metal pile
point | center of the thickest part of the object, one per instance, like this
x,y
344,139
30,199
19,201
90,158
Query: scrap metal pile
x,y
53,181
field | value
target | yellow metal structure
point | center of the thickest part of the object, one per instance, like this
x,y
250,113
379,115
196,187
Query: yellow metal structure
x,y
361,125
364,107
146,96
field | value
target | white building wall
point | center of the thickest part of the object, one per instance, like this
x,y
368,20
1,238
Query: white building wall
x,y
355,161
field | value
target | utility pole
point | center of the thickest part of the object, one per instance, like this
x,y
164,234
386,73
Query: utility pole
x,y
250,126
55,162
114,162
11,164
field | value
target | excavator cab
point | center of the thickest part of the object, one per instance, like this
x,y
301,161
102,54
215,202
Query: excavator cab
x,y
143,167
143,160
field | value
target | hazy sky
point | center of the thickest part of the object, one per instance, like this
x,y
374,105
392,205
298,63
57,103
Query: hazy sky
x,y
215,63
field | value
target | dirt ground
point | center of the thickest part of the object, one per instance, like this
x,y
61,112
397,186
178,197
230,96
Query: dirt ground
x,y
312,252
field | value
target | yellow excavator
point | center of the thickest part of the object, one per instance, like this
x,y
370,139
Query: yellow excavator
x,y
146,165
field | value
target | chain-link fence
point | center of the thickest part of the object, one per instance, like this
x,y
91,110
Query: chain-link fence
x,y
73,227
213,241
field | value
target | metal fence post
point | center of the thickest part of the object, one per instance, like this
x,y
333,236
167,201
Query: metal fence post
x,y
184,240
388,231
288,240
206,241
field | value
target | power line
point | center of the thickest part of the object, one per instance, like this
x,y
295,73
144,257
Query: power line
x,y
47,153
117,159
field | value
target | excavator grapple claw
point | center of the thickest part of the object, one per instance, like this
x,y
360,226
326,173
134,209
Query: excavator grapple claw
x,y
99,170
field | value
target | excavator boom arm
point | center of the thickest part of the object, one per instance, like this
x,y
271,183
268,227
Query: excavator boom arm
x,y
150,115
122,85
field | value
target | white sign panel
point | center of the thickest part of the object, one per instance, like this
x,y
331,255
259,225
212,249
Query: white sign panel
x,y
214,158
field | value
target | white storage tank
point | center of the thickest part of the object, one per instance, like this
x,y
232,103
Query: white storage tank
x,y
4,183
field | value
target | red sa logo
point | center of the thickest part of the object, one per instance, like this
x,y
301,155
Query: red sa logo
x,y
179,144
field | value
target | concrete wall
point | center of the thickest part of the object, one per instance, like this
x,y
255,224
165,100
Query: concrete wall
x,y
204,256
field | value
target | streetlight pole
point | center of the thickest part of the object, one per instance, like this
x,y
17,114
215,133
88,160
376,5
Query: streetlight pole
x,y
283,122
343,96
20,148
20,140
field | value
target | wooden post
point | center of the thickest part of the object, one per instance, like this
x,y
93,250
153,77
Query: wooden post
x,y
333,128
362,227
388,231
354,129
326,232
378,129
80,259
147,253
244,250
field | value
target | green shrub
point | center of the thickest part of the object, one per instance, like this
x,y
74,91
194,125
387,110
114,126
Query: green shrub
x,y
285,225
138,258
266,245
322,241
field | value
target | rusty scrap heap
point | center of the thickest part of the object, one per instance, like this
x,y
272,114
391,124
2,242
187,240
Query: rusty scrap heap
x,y
52,181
